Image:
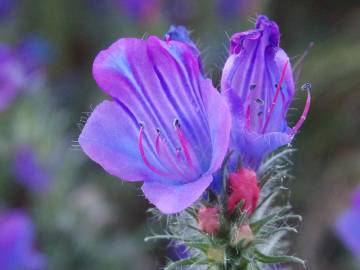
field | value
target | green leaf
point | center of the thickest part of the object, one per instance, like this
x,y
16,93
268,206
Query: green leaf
x,y
257,225
203,247
277,259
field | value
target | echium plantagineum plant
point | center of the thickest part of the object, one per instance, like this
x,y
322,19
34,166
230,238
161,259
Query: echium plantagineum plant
x,y
168,127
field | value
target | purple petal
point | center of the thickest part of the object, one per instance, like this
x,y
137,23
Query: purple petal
x,y
171,198
219,124
110,138
254,146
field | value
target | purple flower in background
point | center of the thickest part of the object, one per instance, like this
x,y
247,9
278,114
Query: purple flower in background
x,y
28,170
7,7
13,77
17,243
348,225
258,83
143,10
35,52
21,67
230,8
161,128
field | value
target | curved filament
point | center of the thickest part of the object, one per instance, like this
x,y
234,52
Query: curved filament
x,y
278,89
303,116
143,156
184,145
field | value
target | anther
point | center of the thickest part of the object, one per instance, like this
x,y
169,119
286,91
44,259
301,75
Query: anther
x,y
306,86
252,86
259,100
176,123
278,89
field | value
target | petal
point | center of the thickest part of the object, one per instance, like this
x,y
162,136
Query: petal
x,y
175,198
254,147
110,138
219,124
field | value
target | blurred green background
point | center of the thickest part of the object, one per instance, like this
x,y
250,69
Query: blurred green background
x,y
90,220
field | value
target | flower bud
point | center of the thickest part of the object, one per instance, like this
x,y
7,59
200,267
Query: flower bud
x,y
243,186
216,254
243,233
208,218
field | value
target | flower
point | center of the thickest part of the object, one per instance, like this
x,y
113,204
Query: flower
x,y
143,10
12,76
21,67
28,170
243,233
7,7
209,221
258,83
348,225
161,127
243,186
17,242
229,9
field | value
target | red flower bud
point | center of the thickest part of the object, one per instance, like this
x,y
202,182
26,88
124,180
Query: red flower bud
x,y
243,186
243,233
208,218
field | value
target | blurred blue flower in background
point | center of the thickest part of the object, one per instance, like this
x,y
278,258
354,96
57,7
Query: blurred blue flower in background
x,y
17,242
28,170
36,53
21,67
12,76
348,225
143,10
7,7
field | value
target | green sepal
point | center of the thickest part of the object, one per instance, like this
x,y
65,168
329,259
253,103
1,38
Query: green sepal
x,y
268,259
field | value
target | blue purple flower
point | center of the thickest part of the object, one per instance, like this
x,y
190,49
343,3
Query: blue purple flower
x,y
143,10
29,171
20,68
7,7
12,76
230,8
161,127
17,242
257,81
348,225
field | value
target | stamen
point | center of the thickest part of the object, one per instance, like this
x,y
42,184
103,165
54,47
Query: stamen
x,y
142,154
252,86
247,116
259,101
282,77
184,144
300,122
